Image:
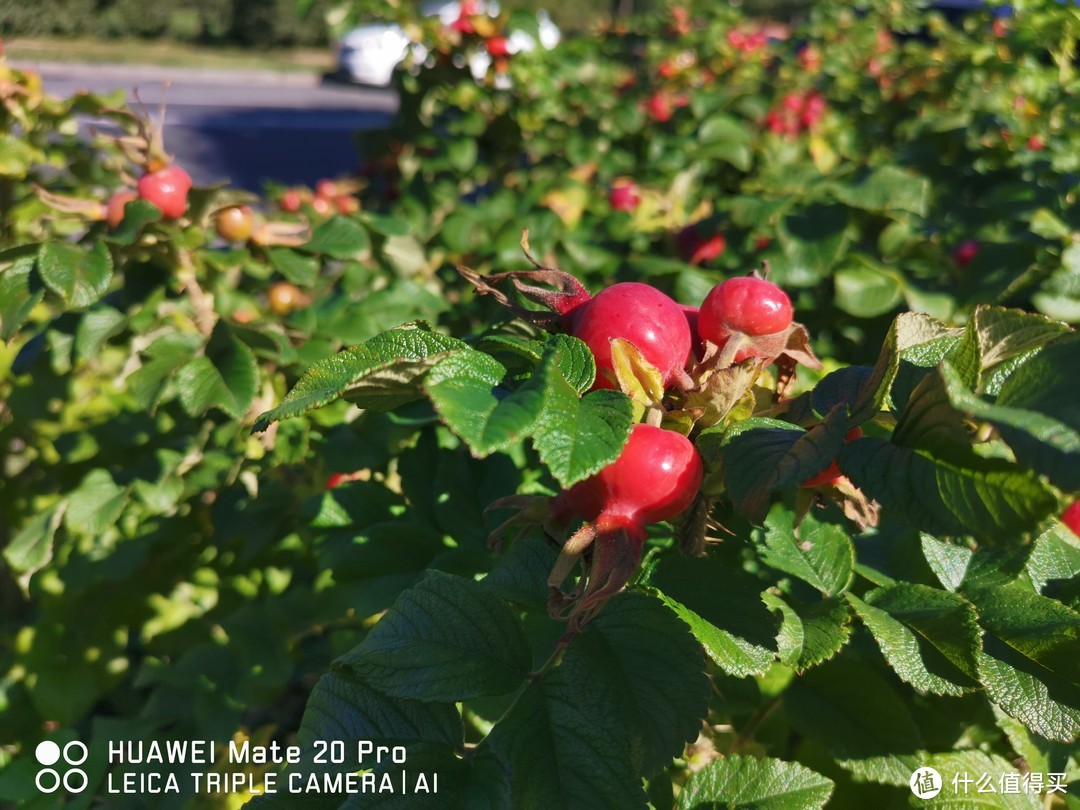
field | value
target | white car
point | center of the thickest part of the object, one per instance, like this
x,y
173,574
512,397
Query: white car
x,y
368,54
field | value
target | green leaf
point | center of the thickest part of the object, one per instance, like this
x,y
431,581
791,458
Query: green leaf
x,y
17,155
988,498
821,554
445,639
657,671
95,327
810,632
562,746
17,298
344,708
340,238
297,268
929,422
520,577
1037,412
1047,224
385,225
31,549
908,332
993,337
576,438
80,277
848,709
813,242
866,289
137,215
477,783
755,784
1055,558
225,377
1059,295
1039,628
405,255
462,389
166,356
888,189
96,505
382,373
576,361
724,609
928,636
1026,670
761,456
971,765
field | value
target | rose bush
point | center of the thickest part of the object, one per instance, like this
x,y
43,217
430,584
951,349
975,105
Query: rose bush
x,y
431,539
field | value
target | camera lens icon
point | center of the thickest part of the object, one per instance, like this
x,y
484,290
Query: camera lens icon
x,y
49,779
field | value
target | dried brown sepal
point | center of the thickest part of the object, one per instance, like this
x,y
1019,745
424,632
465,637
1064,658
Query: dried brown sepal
x,y
861,510
798,347
721,391
864,512
545,320
288,234
606,570
530,511
567,294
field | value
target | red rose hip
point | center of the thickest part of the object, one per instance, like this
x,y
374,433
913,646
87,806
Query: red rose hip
x,y
641,314
114,209
624,195
752,306
1071,518
655,478
167,189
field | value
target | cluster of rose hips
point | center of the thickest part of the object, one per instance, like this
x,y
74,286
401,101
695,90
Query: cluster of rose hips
x,y
659,472
165,188
796,113
329,196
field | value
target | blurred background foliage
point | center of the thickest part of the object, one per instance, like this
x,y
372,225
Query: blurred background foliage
x,y
278,23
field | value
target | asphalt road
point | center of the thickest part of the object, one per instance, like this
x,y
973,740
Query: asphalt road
x,y
243,127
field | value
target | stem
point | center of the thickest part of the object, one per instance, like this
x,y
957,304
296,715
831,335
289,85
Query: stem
x,y
746,733
202,301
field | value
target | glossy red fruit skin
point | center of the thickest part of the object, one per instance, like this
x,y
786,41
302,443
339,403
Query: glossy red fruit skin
x,y
327,189
1071,518
832,472
749,305
114,209
167,189
624,195
655,478
641,314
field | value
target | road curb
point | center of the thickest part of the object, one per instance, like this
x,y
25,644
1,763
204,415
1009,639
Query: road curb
x,y
136,75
